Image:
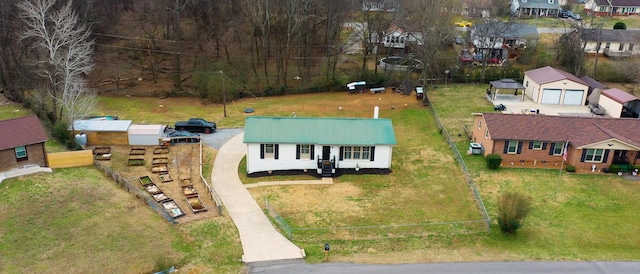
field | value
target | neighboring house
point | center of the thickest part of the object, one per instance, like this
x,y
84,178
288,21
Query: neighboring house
x,y
380,5
612,7
396,40
474,8
497,39
22,143
538,140
531,8
618,103
553,86
324,146
612,42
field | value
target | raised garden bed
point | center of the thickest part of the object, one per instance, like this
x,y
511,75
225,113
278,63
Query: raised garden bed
x,y
161,150
189,190
160,161
185,182
165,177
101,150
137,151
159,169
145,180
153,189
173,208
135,162
102,157
160,197
196,204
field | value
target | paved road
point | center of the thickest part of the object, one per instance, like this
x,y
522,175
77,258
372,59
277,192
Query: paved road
x,y
476,268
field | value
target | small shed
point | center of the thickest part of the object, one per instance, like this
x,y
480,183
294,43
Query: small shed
x,y
355,87
595,88
145,135
103,132
619,103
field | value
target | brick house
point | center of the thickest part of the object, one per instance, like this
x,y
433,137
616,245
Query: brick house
x,y
22,143
594,143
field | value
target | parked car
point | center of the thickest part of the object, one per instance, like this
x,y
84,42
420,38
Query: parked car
x,y
569,14
459,40
196,125
183,136
464,24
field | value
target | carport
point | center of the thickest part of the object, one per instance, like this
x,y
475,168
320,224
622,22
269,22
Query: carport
x,y
508,84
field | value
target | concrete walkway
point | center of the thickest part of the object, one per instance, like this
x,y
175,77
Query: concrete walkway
x,y
260,240
23,171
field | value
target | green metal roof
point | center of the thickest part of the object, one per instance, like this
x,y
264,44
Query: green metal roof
x,y
325,131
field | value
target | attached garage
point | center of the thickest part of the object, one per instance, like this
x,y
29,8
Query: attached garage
x,y
145,135
573,97
551,96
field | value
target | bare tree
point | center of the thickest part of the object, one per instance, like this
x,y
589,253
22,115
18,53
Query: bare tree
x,y
67,52
12,75
571,46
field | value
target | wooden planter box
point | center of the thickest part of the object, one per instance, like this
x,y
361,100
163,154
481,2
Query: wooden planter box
x,y
159,169
145,180
102,157
172,208
101,150
161,150
153,189
189,191
160,161
185,182
196,204
165,177
135,162
160,197
137,151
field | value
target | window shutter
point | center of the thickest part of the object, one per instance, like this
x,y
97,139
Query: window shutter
x,y
297,152
553,146
261,151
584,155
276,150
506,147
312,151
531,145
544,146
341,157
373,153
519,148
606,156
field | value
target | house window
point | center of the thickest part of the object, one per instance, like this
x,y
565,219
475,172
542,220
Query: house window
x,y
537,145
621,47
607,45
479,124
357,153
305,152
551,1
21,153
512,147
594,155
269,151
631,47
486,134
557,148
527,84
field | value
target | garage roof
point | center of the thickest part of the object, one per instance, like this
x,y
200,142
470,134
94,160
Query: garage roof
x,y
619,95
548,74
102,125
327,131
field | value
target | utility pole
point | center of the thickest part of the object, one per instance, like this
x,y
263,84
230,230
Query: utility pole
x,y
224,95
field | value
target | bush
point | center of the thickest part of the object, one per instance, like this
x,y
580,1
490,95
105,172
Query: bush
x,y
493,161
570,168
513,208
620,25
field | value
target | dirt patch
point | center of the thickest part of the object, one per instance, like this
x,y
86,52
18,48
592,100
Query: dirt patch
x,y
182,162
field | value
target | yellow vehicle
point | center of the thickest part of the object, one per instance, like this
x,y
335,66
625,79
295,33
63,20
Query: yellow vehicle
x,y
464,24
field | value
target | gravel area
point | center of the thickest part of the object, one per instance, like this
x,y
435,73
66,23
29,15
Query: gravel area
x,y
219,137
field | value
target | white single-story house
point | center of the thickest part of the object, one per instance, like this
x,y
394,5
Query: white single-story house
x,y
145,135
619,103
325,146
553,86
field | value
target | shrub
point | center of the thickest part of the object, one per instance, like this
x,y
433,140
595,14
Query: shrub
x,y
570,168
61,133
620,25
513,208
493,161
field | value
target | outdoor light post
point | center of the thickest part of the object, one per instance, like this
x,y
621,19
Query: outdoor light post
x,y
446,75
466,78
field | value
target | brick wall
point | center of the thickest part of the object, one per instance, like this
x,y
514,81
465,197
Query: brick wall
x,y
35,155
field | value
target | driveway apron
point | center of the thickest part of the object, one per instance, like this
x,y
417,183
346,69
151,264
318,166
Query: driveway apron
x,y
260,240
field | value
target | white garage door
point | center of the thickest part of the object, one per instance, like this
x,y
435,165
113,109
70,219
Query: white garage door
x,y
573,97
551,96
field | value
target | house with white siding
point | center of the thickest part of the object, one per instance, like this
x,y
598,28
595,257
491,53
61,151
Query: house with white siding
x,y
324,146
